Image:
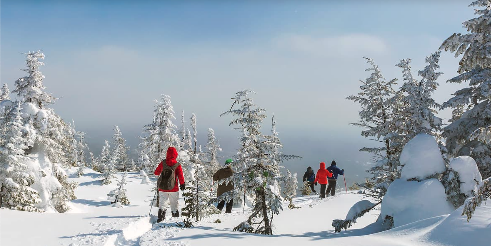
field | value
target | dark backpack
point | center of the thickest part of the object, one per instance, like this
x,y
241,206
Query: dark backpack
x,y
311,178
167,178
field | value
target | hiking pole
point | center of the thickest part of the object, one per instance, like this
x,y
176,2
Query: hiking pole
x,y
346,187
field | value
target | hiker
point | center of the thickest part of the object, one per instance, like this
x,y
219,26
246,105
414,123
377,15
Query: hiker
x,y
332,180
221,174
309,176
167,183
321,178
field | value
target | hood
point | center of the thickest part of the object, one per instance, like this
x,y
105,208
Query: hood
x,y
171,156
322,165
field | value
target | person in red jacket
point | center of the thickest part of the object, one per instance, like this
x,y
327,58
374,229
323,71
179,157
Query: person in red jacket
x,y
321,178
173,194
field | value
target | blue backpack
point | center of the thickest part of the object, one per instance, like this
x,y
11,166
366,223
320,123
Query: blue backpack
x,y
311,178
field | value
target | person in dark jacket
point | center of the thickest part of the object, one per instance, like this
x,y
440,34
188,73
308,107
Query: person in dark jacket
x,y
225,186
309,176
322,175
332,181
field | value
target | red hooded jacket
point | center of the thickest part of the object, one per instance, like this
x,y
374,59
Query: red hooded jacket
x,y
170,160
322,174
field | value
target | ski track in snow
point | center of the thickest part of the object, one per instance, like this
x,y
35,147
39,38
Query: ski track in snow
x,y
138,232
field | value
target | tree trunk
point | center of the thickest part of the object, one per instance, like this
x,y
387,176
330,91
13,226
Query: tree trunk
x,y
267,223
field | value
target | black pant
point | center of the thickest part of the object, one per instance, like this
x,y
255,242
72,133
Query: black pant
x,y
228,208
311,184
331,187
323,191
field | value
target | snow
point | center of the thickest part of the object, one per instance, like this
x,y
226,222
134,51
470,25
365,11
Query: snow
x,y
356,209
410,201
94,221
421,158
456,230
469,174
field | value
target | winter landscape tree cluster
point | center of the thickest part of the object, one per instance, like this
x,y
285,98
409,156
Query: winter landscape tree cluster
x,y
417,157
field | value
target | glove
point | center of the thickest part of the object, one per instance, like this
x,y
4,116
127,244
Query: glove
x,y
182,187
342,170
315,183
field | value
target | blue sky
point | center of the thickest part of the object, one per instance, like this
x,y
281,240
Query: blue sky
x,y
108,61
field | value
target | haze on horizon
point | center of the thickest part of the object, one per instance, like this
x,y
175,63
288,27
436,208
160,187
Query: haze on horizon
x,y
108,61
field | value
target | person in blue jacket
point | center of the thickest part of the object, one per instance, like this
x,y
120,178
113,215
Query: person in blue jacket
x,y
332,180
309,176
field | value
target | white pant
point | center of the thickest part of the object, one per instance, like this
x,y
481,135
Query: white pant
x,y
165,197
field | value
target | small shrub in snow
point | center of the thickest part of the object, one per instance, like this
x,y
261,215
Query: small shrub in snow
x,y
119,195
306,191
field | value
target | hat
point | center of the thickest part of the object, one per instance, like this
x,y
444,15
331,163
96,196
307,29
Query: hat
x,y
228,161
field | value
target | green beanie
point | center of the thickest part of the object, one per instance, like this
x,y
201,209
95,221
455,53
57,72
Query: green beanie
x,y
228,161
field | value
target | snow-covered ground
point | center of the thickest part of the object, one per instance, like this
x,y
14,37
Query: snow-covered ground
x,y
94,221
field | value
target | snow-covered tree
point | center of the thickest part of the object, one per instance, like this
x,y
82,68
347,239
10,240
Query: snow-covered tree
x,y
254,170
198,195
161,133
107,163
15,177
47,140
291,186
120,151
474,101
212,147
418,115
30,88
195,133
118,196
377,100
4,93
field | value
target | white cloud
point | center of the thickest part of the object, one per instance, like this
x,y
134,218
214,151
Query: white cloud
x,y
334,46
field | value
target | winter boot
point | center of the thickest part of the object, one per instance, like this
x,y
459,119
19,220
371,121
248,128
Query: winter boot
x,y
161,215
175,214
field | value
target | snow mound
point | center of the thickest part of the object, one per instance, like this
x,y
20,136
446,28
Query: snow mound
x,y
466,166
421,158
410,201
456,230
358,208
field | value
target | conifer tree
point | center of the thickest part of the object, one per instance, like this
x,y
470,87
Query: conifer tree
x,y
120,152
290,191
15,176
118,196
4,93
107,162
379,104
418,115
161,133
30,88
254,169
212,147
473,102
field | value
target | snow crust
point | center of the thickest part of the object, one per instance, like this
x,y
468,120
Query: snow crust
x,y
410,201
421,158
466,166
